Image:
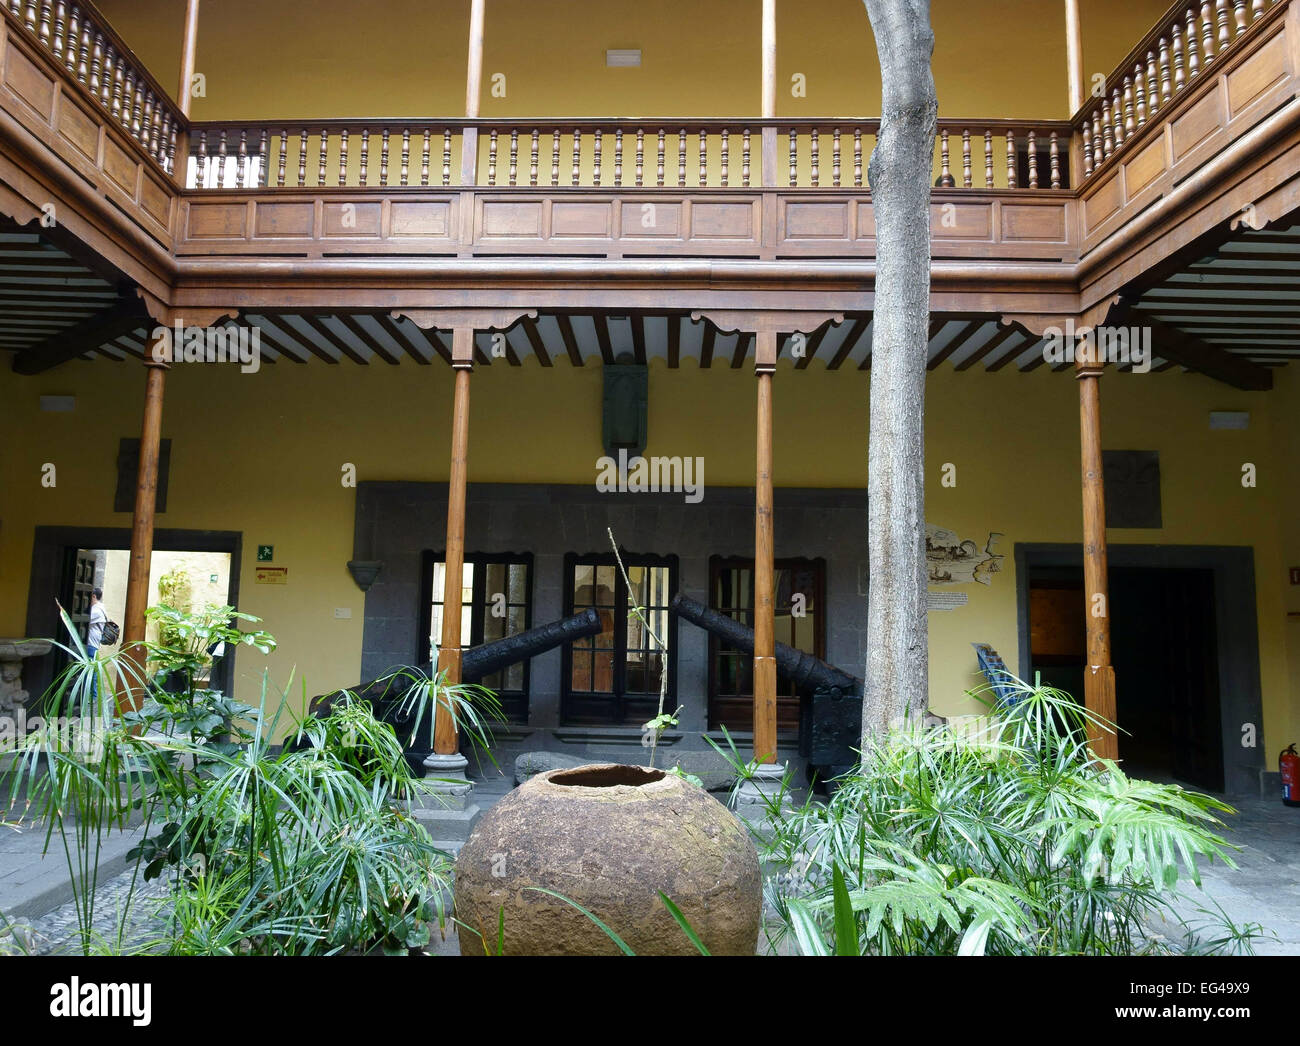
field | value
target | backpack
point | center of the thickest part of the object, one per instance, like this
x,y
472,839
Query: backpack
x,y
110,633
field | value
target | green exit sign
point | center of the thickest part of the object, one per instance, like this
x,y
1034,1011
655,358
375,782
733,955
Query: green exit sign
x,y
265,553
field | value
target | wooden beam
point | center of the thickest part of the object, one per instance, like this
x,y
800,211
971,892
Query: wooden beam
x,y
764,564
142,526
367,339
395,331
283,350
956,342
706,344
601,323
534,337
1098,674
330,340
570,342
445,740
83,337
990,346
738,354
306,342
811,346
1074,54
849,343
674,340
637,321
1169,343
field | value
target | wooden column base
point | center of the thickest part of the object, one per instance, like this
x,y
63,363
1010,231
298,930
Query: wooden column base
x,y
1099,698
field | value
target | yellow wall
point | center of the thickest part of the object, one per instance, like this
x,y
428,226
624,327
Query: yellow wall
x,y
406,58
262,454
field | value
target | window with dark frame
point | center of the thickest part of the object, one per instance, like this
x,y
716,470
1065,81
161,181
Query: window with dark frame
x,y
799,601
613,678
496,602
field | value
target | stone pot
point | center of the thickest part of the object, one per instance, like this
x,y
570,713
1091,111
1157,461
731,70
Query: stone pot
x,y
609,837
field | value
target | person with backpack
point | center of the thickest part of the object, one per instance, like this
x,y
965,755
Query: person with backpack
x,y
101,631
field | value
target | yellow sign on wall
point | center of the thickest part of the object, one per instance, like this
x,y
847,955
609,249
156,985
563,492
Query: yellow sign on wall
x,y
272,575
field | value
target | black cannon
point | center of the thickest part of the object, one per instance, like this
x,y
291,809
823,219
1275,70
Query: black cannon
x,y
389,695
830,706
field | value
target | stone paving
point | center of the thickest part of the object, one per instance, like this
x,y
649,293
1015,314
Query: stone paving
x,y
1263,889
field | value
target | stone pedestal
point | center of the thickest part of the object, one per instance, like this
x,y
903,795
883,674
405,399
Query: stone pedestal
x,y
12,654
446,807
761,790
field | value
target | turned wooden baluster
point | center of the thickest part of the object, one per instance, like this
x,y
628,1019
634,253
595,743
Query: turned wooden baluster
x,y
106,79
577,152
945,168
29,16
1238,18
967,175
96,64
704,157
155,128
284,157
73,35
343,156
221,161
1139,96
1130,124
794,156
321,173
659,163
424,158
618,157
136,95
1153,85
1256,9
681,159
857,157
1087,148
1207,30
302,159
532,157
1033,160
1179,76
383,157
1193,46
119,90
146,118
201,162
1107,129
835,158
60,24
446,156
172,135
723,172
744,158
1055,152
492,157
43,30
240,158
1166,88
406,155
263,159
815,157
988,159
555,158
640,156
1223,17
597,135
1012,177
514,156
83,52
365,156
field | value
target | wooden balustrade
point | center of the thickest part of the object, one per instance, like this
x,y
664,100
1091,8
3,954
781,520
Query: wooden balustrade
x,y
1172,58
92,53
590,153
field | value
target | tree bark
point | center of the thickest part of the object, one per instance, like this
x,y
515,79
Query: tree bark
x,y
897,668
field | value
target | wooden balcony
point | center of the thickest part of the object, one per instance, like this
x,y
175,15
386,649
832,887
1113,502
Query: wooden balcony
x,y
1032,222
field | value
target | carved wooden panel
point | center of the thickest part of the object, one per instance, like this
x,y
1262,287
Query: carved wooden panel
x,y
1268,66
279,220
29,82
79,129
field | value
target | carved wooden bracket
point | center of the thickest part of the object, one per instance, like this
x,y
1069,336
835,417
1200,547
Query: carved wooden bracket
x,y
771,321
478,319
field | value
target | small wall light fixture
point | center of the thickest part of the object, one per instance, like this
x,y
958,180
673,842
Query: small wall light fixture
x,y
625,57
1230,419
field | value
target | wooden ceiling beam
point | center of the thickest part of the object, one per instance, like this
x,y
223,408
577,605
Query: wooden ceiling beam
x,y
956,342
849,343
534,337
570,342
331,340
1170,343
85,336
706,344
369,340
1000,338
674,340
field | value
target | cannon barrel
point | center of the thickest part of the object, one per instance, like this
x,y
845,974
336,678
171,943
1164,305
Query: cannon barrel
x,y
802,669
387,694
481,661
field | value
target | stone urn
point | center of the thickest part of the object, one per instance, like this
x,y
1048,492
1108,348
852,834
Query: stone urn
x,y
610,838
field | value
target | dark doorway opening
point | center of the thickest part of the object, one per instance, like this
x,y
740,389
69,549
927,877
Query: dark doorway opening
x,y
1165,649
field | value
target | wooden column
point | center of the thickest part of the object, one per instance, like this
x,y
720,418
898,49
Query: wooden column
x,y
445,741
1074,54
184,99
473,88
769,91
764,573
142,521
1098,675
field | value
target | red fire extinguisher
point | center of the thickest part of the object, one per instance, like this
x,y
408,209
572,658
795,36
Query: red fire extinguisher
x,y
1288,764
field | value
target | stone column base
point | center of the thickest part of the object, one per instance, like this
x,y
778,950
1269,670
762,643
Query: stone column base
x,y
762,789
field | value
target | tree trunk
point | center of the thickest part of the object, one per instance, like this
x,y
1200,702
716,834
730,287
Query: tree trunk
x,y
897,669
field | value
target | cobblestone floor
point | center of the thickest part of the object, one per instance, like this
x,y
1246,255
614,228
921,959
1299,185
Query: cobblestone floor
x,y
58,932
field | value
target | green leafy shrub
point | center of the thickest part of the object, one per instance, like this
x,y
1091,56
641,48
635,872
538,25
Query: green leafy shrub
x,y
1012,840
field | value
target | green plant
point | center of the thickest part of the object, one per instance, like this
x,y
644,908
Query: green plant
x,y
1011,839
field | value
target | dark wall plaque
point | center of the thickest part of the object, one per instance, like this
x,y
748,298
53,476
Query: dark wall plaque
x,y
1132,488
128,473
